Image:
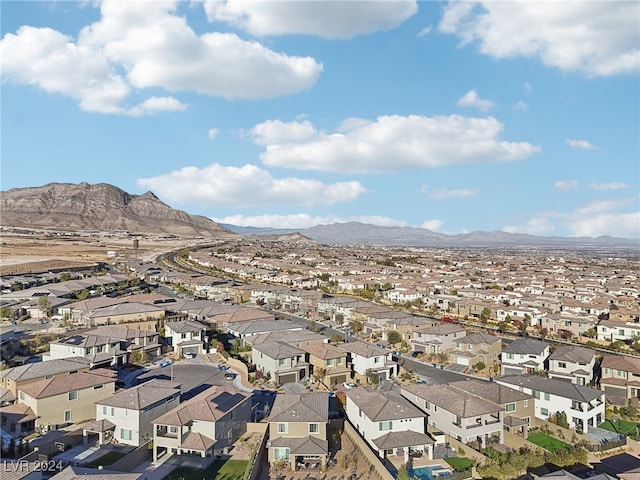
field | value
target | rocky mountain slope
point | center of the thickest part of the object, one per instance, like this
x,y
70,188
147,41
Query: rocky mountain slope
x,y
99,207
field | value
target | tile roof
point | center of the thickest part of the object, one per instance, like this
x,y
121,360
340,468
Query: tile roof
x,y
452,400
302,407
621,362
209,406
476,338
197,441
383,405
526,346
363,349
140,397
185,326
31,371
573,353
491,391
278,350
63,384
324,351
406,438
553,386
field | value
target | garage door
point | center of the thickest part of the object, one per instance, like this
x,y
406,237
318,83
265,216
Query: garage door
x,y
288,378
195,350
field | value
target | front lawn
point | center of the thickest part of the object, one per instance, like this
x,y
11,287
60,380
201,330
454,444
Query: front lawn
x,y
107,459
547,442
227,470
625,427
460,464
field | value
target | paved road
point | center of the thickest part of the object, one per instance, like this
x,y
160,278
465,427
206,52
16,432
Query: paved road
x,y
193,378
431,374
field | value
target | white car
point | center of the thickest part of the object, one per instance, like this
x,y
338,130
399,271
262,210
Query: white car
x,y
349,385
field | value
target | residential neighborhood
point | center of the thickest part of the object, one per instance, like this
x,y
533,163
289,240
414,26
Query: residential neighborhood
x,y
433,362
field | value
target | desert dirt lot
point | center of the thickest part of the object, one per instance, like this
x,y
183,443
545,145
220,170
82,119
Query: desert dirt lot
x,y
21,254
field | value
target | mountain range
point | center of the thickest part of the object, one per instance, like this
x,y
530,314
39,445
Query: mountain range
x,y
103,207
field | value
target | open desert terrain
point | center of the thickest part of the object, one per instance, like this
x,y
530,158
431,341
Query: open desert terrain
x,y
37,252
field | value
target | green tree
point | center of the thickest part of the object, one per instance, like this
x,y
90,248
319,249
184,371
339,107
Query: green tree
x,y
485,314
5,312
393,337
44,305
356,326
402,473
336,338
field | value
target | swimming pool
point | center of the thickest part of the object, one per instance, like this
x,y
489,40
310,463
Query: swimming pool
x,y
429,472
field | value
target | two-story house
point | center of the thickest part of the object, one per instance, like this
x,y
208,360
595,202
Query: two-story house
x,y
572,363
298,430
389,423
328,363
524,355
437,338
620,378
131,411
279,361
476,347
186,337
519,407
612,331
67,399
465,417
205,425
370,363
584,407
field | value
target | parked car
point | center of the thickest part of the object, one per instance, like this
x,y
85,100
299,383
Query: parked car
x,y
349,385
415,354
229,376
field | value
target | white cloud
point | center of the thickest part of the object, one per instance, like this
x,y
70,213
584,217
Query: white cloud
x,y
471,99
566,185
213,133
443,193
527,88
625,225
521,106
304,220
580,144
597,38
141,44
157,104
411,141
594,219
245,186
608,186
425,31
535,226
324,19
433,225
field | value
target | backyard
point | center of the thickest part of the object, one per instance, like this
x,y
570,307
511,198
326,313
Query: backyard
x,y
547,442
106,460
625,427
221,470
459,464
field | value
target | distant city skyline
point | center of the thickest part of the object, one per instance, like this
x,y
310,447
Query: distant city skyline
x,y
453,116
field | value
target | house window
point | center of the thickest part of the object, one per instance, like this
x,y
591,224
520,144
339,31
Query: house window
x,y
546,396
314,428
173,429
67,416
536,394
330,362
73,395
510,356
282,362
510,407
125,434
384,426
544,411
562,364
98,387
281,454
427,405
21,395
526,403
376,359
283,428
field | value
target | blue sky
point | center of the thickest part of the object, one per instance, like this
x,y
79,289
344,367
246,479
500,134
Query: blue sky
x,y
461,116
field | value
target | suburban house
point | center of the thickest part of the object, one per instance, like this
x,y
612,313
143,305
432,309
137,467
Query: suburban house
x,y
186,337
611,330
205,425
463,416
620,378
122,313
524,355
572,363
108,345
279,361
67,399
437,338
370,363
476,347
298,430
328,363
519,407
128,414
389,423
12,379
73,472
584,407
241,330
